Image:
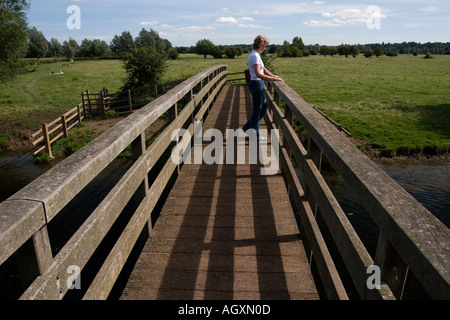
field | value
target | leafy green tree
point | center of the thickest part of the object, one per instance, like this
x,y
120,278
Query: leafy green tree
x,y
378,51
69,50
204,47
354,51
298,42
391,54
13,37
37,44
231,52
93,48
325,50
85,48
216,52
123,43
344,50
153,40
172,53
55,48
296,52
144,66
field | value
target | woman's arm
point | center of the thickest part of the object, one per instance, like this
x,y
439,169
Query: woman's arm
x,y
267,74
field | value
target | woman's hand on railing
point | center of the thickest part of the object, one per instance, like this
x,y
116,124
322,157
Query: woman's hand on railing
x,y
276,78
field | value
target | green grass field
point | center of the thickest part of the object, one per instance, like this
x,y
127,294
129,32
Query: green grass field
x,y
397,104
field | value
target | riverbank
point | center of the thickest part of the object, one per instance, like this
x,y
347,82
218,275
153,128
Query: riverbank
x,y
396,107
21,144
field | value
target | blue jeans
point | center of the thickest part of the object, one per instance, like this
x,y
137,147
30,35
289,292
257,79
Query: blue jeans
x,y
256,88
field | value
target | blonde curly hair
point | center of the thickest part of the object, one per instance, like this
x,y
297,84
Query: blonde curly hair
x,y
260,41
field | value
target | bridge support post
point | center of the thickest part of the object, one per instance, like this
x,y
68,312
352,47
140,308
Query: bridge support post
x,y
40,248
393,269
138,149
315,154
173,114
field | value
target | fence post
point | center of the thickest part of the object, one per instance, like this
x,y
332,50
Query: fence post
x,y
130,105
48,145
102,100
89,101
83,102
64,126
79,113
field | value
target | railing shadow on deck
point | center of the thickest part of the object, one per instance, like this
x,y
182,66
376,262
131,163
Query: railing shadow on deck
x,y
46,273
218,270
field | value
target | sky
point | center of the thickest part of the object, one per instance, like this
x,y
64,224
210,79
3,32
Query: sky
x,y
184,22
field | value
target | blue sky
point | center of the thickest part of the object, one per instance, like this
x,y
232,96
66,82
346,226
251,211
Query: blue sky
x,y
184,22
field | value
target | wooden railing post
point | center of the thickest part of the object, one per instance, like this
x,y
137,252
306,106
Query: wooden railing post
x,y
393,269
173,112
41,249
138,148
288,117
315,154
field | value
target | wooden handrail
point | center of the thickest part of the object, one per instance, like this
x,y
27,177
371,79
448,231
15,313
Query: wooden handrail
x,y
26,214
407,229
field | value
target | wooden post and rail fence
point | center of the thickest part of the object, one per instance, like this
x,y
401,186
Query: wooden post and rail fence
x,y
129,100
411,239
51,132
95,104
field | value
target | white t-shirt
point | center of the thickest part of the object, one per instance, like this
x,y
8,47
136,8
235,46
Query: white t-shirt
x,y
255,58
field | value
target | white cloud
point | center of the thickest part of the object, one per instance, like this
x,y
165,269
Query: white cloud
x,y
345,16
195,28
165,26
226,20
148,23
252,26
232,20
430,9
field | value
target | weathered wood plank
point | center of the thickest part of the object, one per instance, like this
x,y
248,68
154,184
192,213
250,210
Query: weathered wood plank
x,y
420,238
225,232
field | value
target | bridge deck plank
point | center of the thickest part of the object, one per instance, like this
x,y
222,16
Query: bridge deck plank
x,y
225,231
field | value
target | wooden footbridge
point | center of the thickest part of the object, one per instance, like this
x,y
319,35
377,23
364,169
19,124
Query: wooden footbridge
x,y
224,229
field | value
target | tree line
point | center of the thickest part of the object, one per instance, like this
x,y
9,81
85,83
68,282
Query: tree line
x,y
17,41
39,47
297,48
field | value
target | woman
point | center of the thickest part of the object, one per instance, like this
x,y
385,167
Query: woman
x,y
256,85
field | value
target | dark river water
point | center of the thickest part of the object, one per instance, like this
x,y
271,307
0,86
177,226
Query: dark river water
x,y
429,183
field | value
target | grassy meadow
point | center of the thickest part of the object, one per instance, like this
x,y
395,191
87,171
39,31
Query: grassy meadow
x,y
400,104
397,104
